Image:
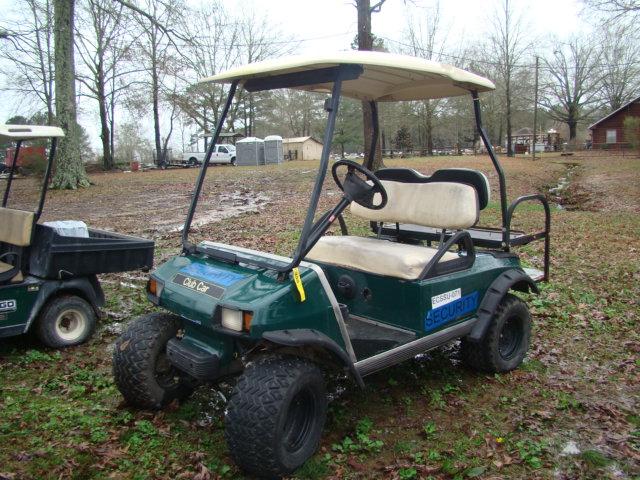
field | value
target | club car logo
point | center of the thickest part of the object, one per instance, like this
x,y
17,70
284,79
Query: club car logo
x,y
194,284
7,306
199,286
451,310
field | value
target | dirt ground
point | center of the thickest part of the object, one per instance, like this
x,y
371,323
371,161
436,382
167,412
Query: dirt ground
x,y
571,411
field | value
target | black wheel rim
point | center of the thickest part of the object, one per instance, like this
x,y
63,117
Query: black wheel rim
x,y
510,338
299,421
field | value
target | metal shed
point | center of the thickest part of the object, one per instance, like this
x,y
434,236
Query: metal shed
x,y
273,152
250,151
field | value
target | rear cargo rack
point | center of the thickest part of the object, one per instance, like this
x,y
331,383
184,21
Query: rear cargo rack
x,y
484,237
55,256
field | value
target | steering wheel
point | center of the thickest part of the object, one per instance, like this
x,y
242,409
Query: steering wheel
x,y
355,188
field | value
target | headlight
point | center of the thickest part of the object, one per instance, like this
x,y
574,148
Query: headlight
x,y
237,320
154,290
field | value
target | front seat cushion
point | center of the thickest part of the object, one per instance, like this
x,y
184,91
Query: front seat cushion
x,y
374,255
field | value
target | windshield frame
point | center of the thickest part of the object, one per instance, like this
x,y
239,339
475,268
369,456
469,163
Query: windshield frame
x,y
336,75
45,180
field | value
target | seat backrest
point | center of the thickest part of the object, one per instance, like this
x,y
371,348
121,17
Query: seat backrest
x,y
16,227
434,204
475,178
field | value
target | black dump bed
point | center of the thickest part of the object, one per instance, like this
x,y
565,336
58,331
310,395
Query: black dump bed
x,y
56,256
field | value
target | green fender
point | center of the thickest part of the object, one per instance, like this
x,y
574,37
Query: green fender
x,y
514,279
303,337
86,287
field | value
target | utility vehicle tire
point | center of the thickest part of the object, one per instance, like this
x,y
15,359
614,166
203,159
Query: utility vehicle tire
x,y
233,161
141,369
66,321
275,415
506,342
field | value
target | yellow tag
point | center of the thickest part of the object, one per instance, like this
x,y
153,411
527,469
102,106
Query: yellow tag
x,y
298,282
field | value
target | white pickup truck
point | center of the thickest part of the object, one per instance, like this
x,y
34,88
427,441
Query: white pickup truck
x,y
223,153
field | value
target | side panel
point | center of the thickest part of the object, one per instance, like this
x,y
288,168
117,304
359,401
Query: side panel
x,y
421,306
16,303
32,294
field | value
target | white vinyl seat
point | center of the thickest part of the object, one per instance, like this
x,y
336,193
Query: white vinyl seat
x,y
5,267
16,228
373,255
438,204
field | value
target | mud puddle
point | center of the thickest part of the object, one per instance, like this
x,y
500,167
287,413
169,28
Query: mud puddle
x,y
228,206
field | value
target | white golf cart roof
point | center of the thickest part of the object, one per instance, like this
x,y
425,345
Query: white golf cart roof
x,y
386,77
29,132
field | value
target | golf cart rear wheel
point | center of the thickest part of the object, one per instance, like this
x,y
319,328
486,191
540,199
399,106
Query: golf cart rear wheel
x,y
66,321
141,369
275,415
507,339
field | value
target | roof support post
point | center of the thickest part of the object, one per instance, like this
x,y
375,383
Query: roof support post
x,y
501,178
375,123
47,176
334,104
186,246
16,154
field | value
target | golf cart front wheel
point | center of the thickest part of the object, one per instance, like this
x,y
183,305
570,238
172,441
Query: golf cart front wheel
x,y
66,321
275,415
141,369
506,342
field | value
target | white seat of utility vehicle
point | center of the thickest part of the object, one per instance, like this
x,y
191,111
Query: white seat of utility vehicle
x,y
439,204
5,267
373,255
16,227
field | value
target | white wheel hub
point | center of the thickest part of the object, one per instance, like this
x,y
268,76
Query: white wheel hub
x,y
70,324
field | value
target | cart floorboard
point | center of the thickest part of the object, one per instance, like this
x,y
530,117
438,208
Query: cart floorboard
x,y
369,337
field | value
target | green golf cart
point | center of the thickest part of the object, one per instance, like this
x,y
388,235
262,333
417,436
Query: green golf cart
x,y
424,277
48,279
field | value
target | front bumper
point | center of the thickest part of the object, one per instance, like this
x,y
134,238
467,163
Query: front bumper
x,y
197,362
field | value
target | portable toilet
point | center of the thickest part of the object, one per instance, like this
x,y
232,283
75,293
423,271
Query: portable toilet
x,y
273,152
250,151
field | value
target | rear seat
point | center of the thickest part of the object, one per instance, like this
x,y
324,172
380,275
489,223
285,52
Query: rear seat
x,y
474,178
446,205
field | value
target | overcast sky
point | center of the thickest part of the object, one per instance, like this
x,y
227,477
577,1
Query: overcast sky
x,y
325,25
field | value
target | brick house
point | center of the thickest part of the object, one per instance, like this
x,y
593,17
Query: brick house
x,y
609,131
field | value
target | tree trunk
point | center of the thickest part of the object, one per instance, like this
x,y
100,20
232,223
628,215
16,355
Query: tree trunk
x,y
428,127
70,172
112,109
107,158
156,116
155,98
509,139
365,42
573,127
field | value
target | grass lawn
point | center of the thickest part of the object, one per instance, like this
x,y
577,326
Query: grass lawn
x,y
570,412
